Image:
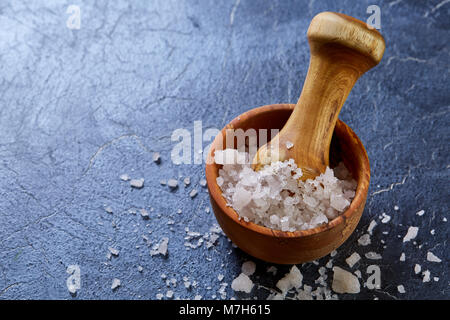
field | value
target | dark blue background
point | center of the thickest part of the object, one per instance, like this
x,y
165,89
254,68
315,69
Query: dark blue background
x,y
80,107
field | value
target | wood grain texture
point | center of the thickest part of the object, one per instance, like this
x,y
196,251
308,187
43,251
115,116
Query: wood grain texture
x,y
342,49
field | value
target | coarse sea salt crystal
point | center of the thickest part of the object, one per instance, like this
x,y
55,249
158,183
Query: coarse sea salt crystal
x,y
115,284
156,157
411,234
417,268
432,257
401,289
353,259
364,240
137,183
172,183
124,177
402,257
248,268
426,276
345,282
242,283
420,213
372,225
289,145
160,248
293,279
373,255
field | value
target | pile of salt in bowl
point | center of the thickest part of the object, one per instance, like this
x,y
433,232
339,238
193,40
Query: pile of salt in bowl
x,y
274,196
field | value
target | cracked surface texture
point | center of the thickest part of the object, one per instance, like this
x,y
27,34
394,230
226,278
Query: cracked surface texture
x,y
81,107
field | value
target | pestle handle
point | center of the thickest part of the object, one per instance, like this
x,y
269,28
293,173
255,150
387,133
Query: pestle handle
x,y
342,49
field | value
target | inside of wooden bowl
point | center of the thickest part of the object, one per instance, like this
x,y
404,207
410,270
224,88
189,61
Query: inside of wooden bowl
x,y
345,146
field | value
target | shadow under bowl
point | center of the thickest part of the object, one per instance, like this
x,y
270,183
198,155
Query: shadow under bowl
x,y
282,247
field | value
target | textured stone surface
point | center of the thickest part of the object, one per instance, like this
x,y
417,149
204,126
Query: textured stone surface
x,y
81,107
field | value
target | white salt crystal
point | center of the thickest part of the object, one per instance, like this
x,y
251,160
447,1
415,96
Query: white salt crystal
x,y
202,182
169,294
115,284
333,253
220,277
372,225
248,268
385,218
364,240
160,248
193,193
432,232
401,289
156,157
396,208
344,281
402,257
289,145
109,209
187,181
172,183
353,259
124,177
137,183
436,279
198,297
432,258
417,268
159,296
373,255
426,276
293,279
144,213
140,269
242,283
163,182
113,251
411,234
420,213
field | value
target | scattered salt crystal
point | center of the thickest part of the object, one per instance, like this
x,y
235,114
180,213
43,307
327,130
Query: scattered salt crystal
x,y
198,297
426,276
113,251
169,294
344,281
353,259
137,183
411,234
124,177
385,218
187,181
172,183
193,193
109,209
333,253
401,289
432,257
140,269
358,273
202,182
289,145
373,255
432,232
160,248
156,157
159,296
436,279
396,208
242,283
220,277
163,182
417,268
144,213
420,213
364,240
293,279
248,268
402,257
372,225
115,284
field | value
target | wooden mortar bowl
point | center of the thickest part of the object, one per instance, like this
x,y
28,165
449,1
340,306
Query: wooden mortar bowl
x,y
300,246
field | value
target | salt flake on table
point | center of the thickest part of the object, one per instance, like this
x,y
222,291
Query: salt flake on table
x,y
242,283
432,257
344,281
411,234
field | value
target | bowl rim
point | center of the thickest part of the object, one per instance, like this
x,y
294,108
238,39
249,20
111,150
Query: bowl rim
x,y
216,193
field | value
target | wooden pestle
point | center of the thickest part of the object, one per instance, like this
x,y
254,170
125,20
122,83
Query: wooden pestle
x,y
342,49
